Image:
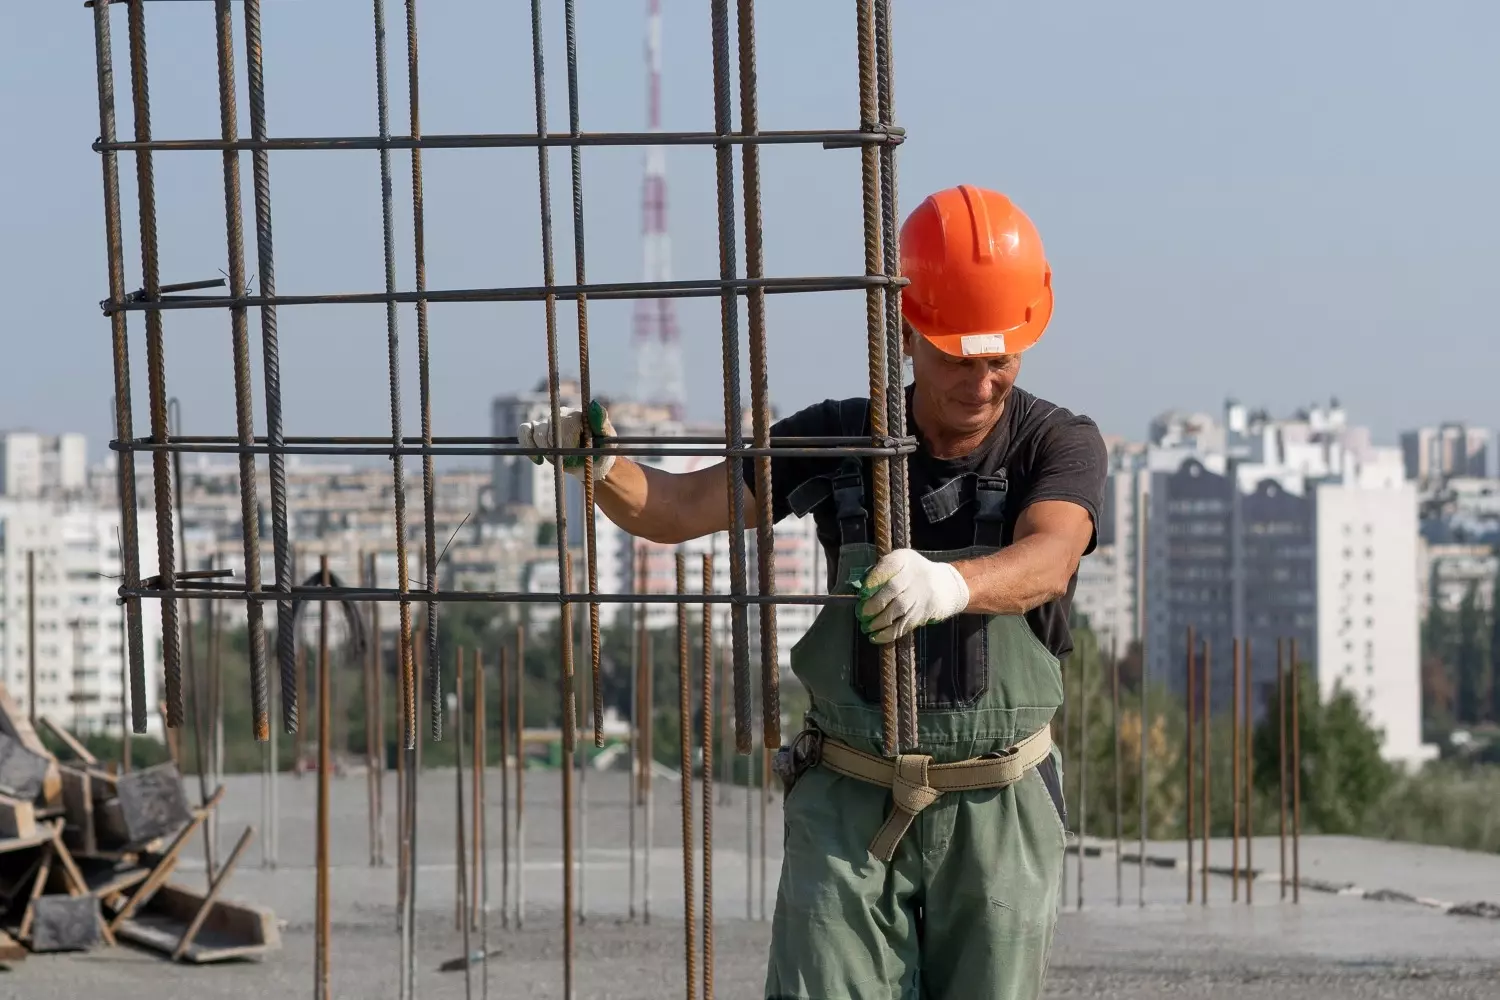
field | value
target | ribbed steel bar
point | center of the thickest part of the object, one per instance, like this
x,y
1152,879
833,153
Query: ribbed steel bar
x,y
1207,758
637,628
1187,756
371,669
685,765
321,974
520,775
895,401
207,591
568,705
1114,718
707,737
1249,787
1281,682
393,374
760,403
682,288
239,336
286,640
424,386
131,638
508,447
481,829
833,138
460,859
1234,779
1296,770
733,411
591,558
1083,767
505,751
869,114
155,366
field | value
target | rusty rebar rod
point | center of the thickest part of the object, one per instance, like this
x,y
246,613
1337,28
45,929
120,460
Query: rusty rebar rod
x,y
1249,752
869,116
1296,771
633,736
481,891
1207,759
1234,779
244,407
707,683
1083,767
1114,718
407,700
156,384
322,978
895,401
505,750
1281,680
461,868
1192,710
685,770
580,760
520,775
132,640
1142,629
734,436
648,711
286,639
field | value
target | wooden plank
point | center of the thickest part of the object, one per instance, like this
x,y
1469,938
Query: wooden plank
x,y
219,882
37,888
232,930
70,741
11,951
78,799
17,726
17,817
153,803
168,862
65,923
25,843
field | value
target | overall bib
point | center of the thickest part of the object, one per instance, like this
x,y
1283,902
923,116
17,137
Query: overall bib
x,y
966,907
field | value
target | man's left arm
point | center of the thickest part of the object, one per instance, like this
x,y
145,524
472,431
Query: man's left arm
x,y
1054,530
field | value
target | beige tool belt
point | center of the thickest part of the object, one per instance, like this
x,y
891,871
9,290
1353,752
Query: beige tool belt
x,y
916,782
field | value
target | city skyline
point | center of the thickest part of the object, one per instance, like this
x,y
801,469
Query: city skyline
x,y
1191,251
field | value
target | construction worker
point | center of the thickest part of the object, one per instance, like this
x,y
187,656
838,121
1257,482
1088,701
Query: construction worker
x,y
937,873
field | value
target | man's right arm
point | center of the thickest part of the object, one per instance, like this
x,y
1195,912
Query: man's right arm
x,y
667,507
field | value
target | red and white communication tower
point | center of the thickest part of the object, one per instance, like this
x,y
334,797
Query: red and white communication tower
x,y
658,353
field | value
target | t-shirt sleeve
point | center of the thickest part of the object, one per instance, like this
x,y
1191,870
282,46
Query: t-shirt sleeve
x,y
790,472
1071,464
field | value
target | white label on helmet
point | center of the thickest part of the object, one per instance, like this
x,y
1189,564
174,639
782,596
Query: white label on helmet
x,y
983,343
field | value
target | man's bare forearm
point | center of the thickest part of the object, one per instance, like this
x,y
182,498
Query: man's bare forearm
x,y
1020,577
661,506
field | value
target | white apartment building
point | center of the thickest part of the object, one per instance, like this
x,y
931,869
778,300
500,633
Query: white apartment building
x,y
33,464
80,645
1244,524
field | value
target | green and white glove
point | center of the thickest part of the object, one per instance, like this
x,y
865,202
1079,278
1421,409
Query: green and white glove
x,y
538,434
906,590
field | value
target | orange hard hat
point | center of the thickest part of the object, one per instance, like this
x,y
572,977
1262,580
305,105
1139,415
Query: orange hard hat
x,y
979,281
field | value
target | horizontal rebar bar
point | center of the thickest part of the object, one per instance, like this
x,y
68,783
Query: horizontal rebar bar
x,y
222,592
681,289
840,138
372,448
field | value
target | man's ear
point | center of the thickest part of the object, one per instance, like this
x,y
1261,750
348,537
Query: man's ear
x,y
908,339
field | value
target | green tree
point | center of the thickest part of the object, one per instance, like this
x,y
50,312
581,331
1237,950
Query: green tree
x,y
1343,776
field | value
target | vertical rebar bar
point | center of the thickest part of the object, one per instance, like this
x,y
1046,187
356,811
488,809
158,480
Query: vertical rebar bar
x,y
244,409
648,706
1065,742
458,815
869,120
132,642
755,314
393,375
633,735
734,435
890,236
1208,673
685,747
1083,768
418,654
1234,779
1281,754
321,986
156,384
1249,752
520,775
424,387
707,692
1192,710
584,383
476,799
1296,771
580,760
481,831
31,636
286,638
1144,832
1114,662
372,710
504,787
377,702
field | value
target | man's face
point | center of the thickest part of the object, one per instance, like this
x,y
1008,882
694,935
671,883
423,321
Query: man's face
x,y
965,395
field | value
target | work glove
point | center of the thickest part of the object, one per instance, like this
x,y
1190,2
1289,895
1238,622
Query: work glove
x,y
906,590
538,434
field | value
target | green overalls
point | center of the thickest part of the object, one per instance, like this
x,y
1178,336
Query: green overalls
x,y
966,908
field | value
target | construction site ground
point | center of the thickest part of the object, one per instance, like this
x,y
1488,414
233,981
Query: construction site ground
x,y
1352,943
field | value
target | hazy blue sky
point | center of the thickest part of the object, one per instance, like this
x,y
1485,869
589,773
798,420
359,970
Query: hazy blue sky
x,y
1278,201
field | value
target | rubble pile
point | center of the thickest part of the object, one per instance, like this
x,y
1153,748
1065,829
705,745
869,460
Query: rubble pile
x,y
87,854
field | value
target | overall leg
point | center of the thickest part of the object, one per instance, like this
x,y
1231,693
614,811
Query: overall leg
x,y
843,927
992,895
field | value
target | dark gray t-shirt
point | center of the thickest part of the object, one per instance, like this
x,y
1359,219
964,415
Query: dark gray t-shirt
x,y
1048,453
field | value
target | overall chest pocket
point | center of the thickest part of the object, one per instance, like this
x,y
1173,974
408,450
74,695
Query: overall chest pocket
x,y
953,663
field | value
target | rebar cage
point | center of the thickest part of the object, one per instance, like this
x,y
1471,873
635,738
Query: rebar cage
x,y
876,136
